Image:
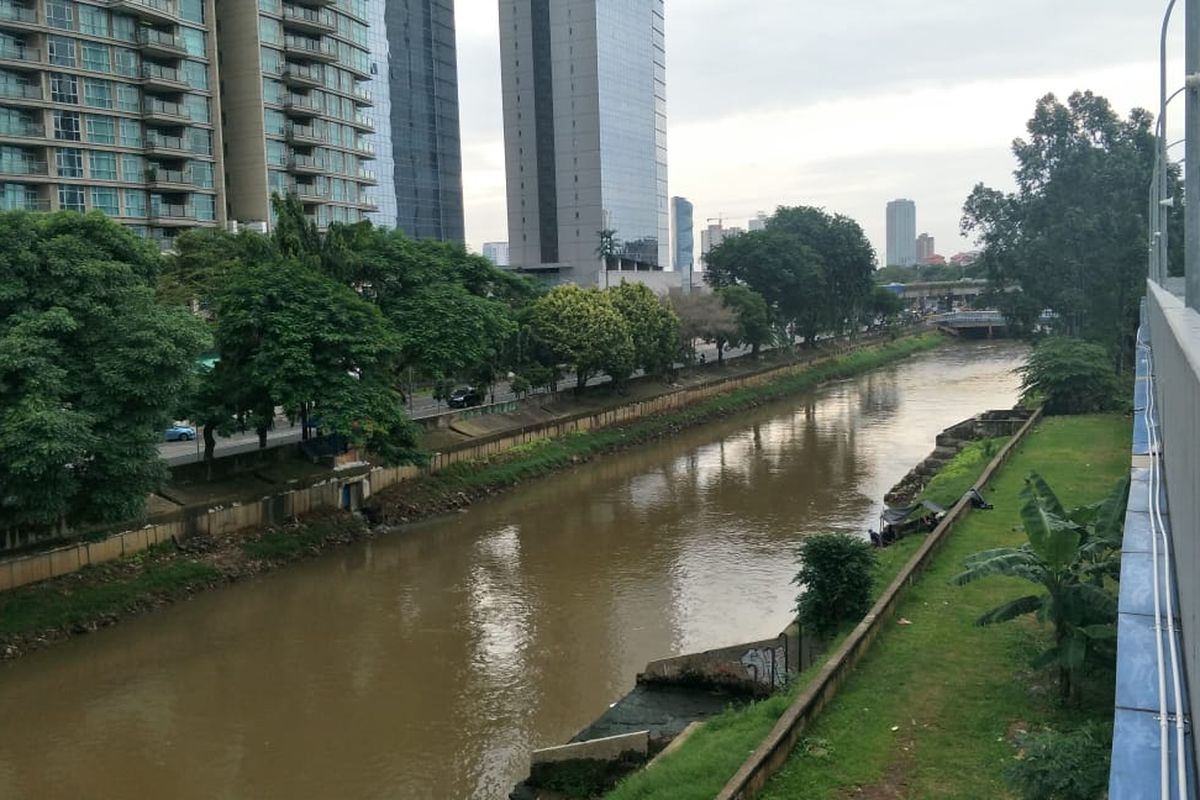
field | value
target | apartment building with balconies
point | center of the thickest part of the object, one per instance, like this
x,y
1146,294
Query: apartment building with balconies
x,y
110,105
296,107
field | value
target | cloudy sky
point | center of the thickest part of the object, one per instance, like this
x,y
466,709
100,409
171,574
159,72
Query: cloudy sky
x,y
844,105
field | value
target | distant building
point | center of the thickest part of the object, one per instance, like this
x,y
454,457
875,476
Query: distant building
x,y
901,233
712,236
496,252
759,222
964,259
683,240
585,136
925,249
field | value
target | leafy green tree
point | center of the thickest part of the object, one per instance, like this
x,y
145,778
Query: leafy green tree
x,y
753,315
444,328
291,337
1069,376
294,234
1072,238
885,307
583,329
653,326
91,367
203,259
836,572
608,247
1069,556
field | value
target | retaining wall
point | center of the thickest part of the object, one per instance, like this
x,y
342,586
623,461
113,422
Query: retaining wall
x,y
348,490
775,750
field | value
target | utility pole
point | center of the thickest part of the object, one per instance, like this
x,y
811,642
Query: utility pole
x,y
1191,166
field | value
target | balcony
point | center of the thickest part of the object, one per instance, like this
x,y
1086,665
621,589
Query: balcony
x,y
174,214
156,76
18,55
363,122
306,165
363,96
311,193
364,149
28,204
169,146
12,16
360,69
368,204
309,49
21,92
160,43
314,3
158,12
304,134
368,177
162,111
24,167
22,129
298,76
169,179
298,105
308,20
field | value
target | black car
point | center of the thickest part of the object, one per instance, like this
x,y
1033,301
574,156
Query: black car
x,y
465,397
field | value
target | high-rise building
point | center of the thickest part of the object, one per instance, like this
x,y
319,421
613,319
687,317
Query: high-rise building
x,y
712,236
110,105
418,142
496,252
925,248
901,233
759,222
295,106
683,240
584,86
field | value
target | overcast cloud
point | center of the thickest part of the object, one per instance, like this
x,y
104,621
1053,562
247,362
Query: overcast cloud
x,y
845,105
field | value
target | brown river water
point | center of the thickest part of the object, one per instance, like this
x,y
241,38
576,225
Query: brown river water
x,y
429,662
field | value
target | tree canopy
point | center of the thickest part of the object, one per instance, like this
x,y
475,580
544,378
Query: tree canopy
x,y
583,329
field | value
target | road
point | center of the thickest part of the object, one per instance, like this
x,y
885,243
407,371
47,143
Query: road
x,y
423,406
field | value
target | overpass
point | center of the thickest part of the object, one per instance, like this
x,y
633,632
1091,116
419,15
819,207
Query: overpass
x,y
951,292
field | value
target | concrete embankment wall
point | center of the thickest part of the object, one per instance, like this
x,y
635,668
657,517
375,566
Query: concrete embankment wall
x,y
349,489
775,750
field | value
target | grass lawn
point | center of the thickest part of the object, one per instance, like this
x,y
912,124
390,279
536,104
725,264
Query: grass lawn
x,y
930,710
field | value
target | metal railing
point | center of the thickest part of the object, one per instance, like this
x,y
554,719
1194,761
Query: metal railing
x,y
19,52
311,47
24,205
11,13
152,36
34,130
23,91
312,16
157,72
24,167
166,108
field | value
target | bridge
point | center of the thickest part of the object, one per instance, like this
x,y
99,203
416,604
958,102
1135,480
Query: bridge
x,y
977,324
949,291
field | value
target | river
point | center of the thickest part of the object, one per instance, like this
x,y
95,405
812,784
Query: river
x,y
427,663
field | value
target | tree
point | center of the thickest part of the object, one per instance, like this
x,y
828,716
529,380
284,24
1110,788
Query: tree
x,y
1072,238
294,234
289,336
703,316
608,247
1069,376
445,329
884,307
653,326
583,329
1069,556
90,369
835,572
203,259
754,327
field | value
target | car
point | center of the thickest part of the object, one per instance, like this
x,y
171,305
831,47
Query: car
x,y
180,433
465,397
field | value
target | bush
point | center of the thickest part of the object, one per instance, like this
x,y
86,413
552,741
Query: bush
x,y
1069,376
1063,766
835,573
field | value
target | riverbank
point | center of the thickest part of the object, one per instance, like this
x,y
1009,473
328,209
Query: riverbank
x,y
919,718
52,611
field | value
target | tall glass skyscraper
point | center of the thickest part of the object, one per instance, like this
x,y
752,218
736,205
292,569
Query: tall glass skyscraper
x,y
901,233
415,83
585,113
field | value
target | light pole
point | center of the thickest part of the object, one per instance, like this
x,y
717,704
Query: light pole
x,y
1191,167
1160,176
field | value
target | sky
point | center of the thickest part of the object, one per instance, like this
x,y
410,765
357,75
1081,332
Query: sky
x,y
845,105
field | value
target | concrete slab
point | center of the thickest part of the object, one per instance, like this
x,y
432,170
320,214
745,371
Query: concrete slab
x,y
610,748
1137,585
1135,757
1137,666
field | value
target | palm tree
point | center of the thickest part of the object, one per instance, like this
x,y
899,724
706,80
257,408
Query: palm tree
x,y
609,246
1069,555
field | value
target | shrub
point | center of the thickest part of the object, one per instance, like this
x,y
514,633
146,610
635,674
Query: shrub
x,y
1069,376
1063,766
835,574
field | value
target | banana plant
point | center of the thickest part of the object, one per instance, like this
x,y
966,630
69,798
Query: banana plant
x,y
1069,555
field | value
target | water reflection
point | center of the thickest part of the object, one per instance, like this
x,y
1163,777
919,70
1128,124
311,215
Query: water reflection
x,y
427,663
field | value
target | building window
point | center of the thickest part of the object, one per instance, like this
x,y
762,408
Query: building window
x,y
274,122
95,57
70,198
61,51
64,88
103,165
196,74
97,93
133,168
93,21
200,141
66,126
276,153
204,207
128,97
202,174
194,42
69,162
197,108
100,130
125,62
124,28
58,14
104,198
192,10
135,203
131,133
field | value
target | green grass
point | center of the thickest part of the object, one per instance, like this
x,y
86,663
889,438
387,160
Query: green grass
x,y
538,458
42,607
955,691
960,473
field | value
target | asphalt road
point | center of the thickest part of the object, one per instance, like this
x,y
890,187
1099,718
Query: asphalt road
x,y
284,433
